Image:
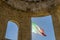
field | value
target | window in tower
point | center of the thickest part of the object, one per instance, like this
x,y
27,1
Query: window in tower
x,y
12,31
42,28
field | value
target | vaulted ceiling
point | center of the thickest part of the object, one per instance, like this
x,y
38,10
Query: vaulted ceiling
x,y
32,5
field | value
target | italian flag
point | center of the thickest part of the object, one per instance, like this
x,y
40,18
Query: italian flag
x,y
36,29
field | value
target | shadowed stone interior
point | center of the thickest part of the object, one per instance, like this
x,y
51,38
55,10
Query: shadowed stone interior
x,y
31,5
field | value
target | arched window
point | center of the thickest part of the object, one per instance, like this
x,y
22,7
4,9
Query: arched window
x,y
42,28
12,31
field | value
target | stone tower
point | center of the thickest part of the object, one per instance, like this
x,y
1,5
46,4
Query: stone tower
x,y
20,12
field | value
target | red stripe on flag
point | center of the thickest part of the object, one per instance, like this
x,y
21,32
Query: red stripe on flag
x,y
43,34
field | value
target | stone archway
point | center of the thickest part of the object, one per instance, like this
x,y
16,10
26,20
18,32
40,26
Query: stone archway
x,y
12,31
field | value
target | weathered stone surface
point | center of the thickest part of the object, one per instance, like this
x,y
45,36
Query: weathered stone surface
x,y
31,5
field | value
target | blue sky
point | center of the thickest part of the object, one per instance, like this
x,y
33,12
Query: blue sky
x,y
12,31
46,24
43,22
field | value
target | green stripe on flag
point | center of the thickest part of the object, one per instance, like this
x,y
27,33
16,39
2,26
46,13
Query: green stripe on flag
x,y
34,27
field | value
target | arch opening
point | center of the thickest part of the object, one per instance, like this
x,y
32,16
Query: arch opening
x,y
12,31
42,28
